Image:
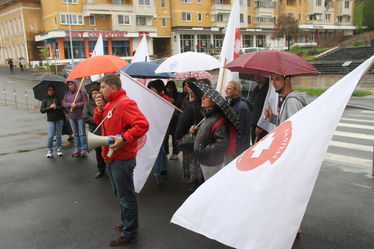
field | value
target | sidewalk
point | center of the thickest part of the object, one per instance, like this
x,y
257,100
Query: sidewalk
x,y
25,75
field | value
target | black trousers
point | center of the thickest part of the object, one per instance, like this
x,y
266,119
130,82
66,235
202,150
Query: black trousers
x,y
100,161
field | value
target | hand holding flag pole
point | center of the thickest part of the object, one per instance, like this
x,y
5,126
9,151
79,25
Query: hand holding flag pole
x,y
76,95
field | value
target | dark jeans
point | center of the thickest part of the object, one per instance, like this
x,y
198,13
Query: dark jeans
x,y
121,176
100,161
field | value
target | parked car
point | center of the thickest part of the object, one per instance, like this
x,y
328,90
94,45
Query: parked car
x,y
250,49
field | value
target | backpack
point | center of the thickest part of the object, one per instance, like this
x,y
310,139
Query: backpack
x,y
232,135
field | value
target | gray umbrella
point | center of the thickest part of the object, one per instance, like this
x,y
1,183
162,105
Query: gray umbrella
x,y
218,100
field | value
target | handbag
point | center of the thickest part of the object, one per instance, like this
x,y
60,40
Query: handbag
x,y
187,141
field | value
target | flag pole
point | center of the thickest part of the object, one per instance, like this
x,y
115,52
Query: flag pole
x,y
76,95
223,76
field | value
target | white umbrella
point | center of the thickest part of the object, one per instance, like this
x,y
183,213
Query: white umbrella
x,y
188,62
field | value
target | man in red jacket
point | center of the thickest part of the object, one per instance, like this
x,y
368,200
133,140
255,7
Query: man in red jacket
x,y
122,117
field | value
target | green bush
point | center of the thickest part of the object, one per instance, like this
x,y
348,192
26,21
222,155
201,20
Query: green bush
x,y
318,92
358,43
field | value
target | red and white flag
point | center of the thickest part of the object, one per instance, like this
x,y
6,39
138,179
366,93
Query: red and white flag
x,y
259,199
158,113
230,48
98,50
141,53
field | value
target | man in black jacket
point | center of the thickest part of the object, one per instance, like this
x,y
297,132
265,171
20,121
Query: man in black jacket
x,y
88,111
242,108
257,99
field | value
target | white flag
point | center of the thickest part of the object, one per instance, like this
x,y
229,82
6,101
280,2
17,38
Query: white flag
x,y
141,53
230,48
271,101
98,50
158,113
259,199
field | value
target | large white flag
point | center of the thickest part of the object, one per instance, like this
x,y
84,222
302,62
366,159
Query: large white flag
x,y
259,199
230,48
271,101
141,53
158,113
98,50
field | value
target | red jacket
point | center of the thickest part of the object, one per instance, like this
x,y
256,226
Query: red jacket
x,y
126,120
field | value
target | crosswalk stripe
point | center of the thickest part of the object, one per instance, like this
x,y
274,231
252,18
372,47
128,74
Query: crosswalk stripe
x,y
354,135
358,126
356,119
352,146
348,159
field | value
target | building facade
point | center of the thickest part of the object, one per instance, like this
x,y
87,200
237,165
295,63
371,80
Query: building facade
x,y
173,26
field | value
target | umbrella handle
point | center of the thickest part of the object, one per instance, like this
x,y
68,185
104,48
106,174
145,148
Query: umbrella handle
x,y
76,95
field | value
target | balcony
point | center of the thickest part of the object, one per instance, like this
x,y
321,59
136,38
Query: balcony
x,y
265,4
106,9
220,8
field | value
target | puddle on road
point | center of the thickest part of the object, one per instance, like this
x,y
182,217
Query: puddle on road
x,y
39,132
22,151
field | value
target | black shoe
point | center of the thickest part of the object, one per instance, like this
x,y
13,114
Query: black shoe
x,y
122,240
99,174
164,172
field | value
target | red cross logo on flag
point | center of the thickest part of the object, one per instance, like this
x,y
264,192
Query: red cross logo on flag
x,y
270,148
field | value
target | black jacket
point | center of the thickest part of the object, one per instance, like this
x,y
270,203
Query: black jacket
x,y
257,99
191,115
209,148
242,108
53,115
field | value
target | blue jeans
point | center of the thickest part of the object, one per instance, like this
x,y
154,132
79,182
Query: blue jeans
x,y
54,129
160,164
121,174
80,142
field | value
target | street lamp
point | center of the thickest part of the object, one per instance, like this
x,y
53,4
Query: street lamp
x,y
71,40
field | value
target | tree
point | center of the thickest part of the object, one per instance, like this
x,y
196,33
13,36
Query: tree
x,y
286,27
368,14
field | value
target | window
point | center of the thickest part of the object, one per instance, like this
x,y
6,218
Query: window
x,y
260,41
199,1
241,18
78,49
248,3
247,41
187,43
71,1
346,4
199,17
163,4
92,44
163,24
265,19
141,21
318,2
186,16
73,19
121,48
185,1
291,14
219,18
203,41
217,41
328,17
123,19
92,20
55,20
144,2
249,19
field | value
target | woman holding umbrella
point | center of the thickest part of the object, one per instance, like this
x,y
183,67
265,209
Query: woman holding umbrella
x,y
55,118
212,137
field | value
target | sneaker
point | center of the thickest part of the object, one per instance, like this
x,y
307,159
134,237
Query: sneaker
x,y
59,153
84,154
76,154
49,154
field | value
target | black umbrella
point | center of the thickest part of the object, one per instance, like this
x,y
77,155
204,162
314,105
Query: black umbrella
x,y
218,100
145,70
9,59
92,85
51,77
40,90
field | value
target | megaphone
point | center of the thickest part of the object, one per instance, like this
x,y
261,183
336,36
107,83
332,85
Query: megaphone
x,y
95,141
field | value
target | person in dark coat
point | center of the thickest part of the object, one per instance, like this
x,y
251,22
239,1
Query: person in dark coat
x,y
88,112
242,108
55,118
210,147
192,115
257,99
177,98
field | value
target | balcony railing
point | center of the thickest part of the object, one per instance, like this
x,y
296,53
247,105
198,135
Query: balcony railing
x,y
106,9
265,4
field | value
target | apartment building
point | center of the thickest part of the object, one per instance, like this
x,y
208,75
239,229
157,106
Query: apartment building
x,y
173,26
20,21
